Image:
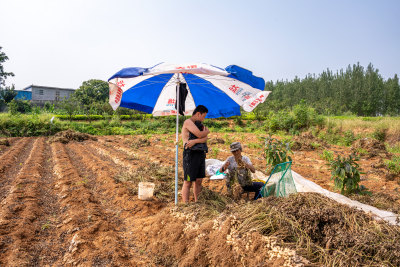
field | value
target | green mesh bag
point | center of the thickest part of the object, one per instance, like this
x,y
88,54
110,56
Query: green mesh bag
x,y
280,183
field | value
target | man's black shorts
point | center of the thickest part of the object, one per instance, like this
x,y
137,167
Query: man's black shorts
x,y
194,165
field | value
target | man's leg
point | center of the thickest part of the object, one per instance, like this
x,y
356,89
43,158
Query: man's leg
x,y
200,170
197,187
255,187
258,186
185,191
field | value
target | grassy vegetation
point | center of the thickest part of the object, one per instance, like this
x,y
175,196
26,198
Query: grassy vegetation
x,y
393,165
333,130
369,124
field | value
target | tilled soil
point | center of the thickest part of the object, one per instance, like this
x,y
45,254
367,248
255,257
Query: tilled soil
x,y
61,205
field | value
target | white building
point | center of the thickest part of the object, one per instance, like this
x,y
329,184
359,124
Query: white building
x,y
43,94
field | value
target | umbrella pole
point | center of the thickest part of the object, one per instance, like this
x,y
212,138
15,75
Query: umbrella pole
x,y
177,139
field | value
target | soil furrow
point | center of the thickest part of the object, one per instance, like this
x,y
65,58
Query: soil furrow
x,y
11,162
126,207
11,142
48,248
148,154
92,238
20,210
104,171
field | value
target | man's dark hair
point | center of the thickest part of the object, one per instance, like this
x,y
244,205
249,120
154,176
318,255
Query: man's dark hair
x,y
200,108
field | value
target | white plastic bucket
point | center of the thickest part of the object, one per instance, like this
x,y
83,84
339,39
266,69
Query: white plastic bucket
x,y
146,190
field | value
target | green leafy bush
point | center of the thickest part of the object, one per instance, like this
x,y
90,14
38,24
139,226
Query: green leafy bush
x,y
327,155
276,152
393,165
301,115
216,124
348,138
80,117
380,134
28,125
19,106
345,174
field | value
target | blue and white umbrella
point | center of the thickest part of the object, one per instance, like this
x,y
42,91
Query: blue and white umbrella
x,y
154,90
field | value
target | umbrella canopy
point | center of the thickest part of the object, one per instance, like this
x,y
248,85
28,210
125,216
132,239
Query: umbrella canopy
x,y
153,90
166,89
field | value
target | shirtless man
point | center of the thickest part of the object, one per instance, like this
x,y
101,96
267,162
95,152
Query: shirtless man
x,y
193,160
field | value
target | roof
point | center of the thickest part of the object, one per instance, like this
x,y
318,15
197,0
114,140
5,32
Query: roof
x,y
29,88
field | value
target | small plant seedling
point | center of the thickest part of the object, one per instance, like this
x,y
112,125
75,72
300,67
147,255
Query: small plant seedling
x,y
215,152
393,165
327,155
46,225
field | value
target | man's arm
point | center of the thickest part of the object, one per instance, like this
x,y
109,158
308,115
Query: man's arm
x,y
191,143
225,166
191,127
249,166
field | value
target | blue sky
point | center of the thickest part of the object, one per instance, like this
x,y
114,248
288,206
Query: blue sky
x,y
63,43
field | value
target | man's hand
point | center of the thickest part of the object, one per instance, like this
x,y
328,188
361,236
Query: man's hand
x,y
239,161
190,143
206,130
226,165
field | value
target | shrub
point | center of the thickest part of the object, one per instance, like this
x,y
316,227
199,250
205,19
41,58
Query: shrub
x,y
19,106
327,155
49,107
26,125
393,165
301,114
80,117
249,116
345,174
3,105
216,124
348,138
380,134
238,121
276,152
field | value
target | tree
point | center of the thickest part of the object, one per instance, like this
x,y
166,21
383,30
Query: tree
x,y
92,91
3,74
7,94
70,106
358,90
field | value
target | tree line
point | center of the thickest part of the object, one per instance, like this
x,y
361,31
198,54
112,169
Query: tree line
x,y
357,90
361,91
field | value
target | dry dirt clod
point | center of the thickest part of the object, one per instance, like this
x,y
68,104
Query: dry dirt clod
x,y
373,147
213,141
4,142
70,135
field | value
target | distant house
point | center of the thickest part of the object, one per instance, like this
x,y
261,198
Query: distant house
x,y
42,94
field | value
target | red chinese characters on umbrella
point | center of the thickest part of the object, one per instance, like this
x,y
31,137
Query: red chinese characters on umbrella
x,y
121,84
118,95
235,89
257,101
171,102
187,67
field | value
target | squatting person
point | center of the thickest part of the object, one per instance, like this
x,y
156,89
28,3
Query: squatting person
x,y
239,168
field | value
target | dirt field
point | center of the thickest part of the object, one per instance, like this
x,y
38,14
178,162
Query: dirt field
x,y
61,204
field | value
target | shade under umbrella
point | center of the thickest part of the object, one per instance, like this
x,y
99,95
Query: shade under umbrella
x,y
165,88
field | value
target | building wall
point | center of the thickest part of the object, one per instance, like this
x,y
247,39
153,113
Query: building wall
x,y
44,94
23,95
